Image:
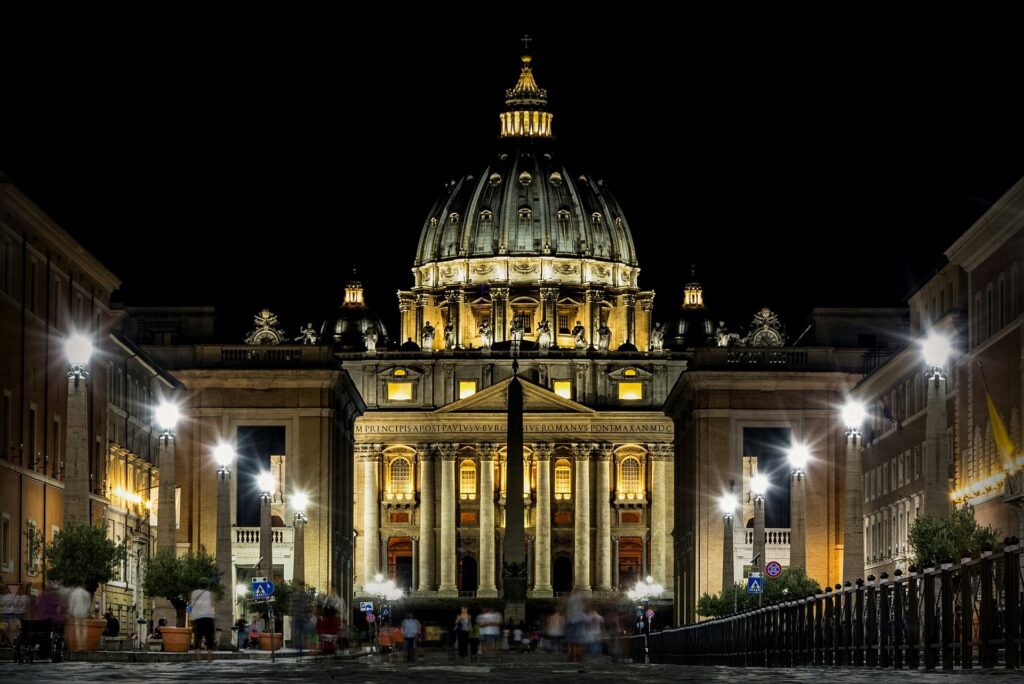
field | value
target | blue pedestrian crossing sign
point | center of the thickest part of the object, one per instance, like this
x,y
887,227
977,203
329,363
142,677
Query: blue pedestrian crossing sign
x,y
755,585
261,588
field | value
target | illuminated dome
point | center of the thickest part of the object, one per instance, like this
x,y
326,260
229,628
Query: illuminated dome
x,y
526,203
354,319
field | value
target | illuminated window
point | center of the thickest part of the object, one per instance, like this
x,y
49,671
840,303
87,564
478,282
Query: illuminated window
x,y
467,388
630,481
399,391
525,316
563,323
629,373
563,479
467,480
563,388
400,479
631,391
400,373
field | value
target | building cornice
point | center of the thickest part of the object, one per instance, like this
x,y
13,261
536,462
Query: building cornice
x,y
991,231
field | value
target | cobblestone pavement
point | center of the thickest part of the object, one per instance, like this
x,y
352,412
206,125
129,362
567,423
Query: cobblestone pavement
x,y
531,668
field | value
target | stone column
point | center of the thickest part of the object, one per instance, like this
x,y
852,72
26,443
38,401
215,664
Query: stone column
x,y
454,299
76,459
604,520
487,556
660,461
759,540
629,300
415,563
447,557
542,526
594,299
299,549
615,563
645,568
371,515
225,604
549,310
166,535
797,521
499,322
266,538
582,546
936,450
422,301
426,511
405,305
647,306
853,517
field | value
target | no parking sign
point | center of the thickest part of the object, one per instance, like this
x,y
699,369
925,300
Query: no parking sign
x,y
774,569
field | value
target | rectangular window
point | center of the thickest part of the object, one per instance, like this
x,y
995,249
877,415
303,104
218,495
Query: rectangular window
x,y
631,391
5,426
563,323
6,560
976,318
399,391
8,261
33,548
1003,317
467,388
33,284
55,447
990,316
32,444
563,388
525,317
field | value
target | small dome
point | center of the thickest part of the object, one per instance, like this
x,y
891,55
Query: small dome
x,y
693,327
355,326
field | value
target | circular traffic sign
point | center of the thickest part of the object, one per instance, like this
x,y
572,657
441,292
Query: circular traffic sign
x,y
774,569
649,613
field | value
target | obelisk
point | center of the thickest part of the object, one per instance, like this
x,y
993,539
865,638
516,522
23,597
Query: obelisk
x,y
513,567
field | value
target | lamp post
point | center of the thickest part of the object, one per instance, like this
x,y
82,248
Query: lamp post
x,y
936,349
78,349
853,536
299,503
224,455
386,592
265,482
727,504
641,594
758,486
799,456
167,415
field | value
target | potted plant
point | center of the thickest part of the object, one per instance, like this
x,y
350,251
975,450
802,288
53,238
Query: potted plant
x,y
82,556
174,578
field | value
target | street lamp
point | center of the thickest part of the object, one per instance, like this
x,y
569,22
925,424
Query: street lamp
x,y
265,484
853,536
641,594
167,415
799,455
758,487
299,503
936,349
224,455
78,470
386,592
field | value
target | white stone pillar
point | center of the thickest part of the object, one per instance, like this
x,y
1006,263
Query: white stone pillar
x,y
166,535
853,535
447,557
426,513
371,516
604,521
936,450
581,553
486,581
659,514
542,525
76,457
798,520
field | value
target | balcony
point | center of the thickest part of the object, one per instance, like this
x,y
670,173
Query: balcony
x,y
251,535
245,547
776,548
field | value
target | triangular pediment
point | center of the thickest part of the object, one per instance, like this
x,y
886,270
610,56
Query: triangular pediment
x,y
536,399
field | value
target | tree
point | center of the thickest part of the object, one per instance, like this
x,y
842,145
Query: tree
x,y
937,540
175,577
81,555
792,583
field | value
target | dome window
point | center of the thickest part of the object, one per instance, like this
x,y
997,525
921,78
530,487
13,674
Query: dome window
x,y
486,216
453,219
563,216
596,217
525,178
556,178
494,179
525,214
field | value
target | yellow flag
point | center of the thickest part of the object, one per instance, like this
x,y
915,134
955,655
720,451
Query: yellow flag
x,y
1003,443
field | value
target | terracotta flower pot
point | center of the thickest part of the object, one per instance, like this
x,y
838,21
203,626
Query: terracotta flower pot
x,y
176,639
83,634
265,641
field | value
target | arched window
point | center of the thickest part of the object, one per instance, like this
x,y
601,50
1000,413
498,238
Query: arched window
x,y
467,480
453,218
563,479
486,216
525,214
630,480
400,479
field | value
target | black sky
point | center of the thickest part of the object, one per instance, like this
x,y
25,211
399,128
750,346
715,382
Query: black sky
x,y
247,166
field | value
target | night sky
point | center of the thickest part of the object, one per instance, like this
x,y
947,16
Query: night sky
x,y
250,166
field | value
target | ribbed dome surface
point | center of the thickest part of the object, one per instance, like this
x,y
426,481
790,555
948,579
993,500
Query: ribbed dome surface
x,y
526,203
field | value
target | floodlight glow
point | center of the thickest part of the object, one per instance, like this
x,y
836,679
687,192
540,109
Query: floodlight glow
x,y
759,485
167,415
936,349
853,414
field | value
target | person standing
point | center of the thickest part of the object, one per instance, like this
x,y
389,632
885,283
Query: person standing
x,y
462,623
202,620
411,630
490,630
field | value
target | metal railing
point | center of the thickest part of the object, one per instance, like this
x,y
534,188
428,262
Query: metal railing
x,y
954,616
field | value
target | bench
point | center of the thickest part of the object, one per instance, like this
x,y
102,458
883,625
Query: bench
x,y
118,643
